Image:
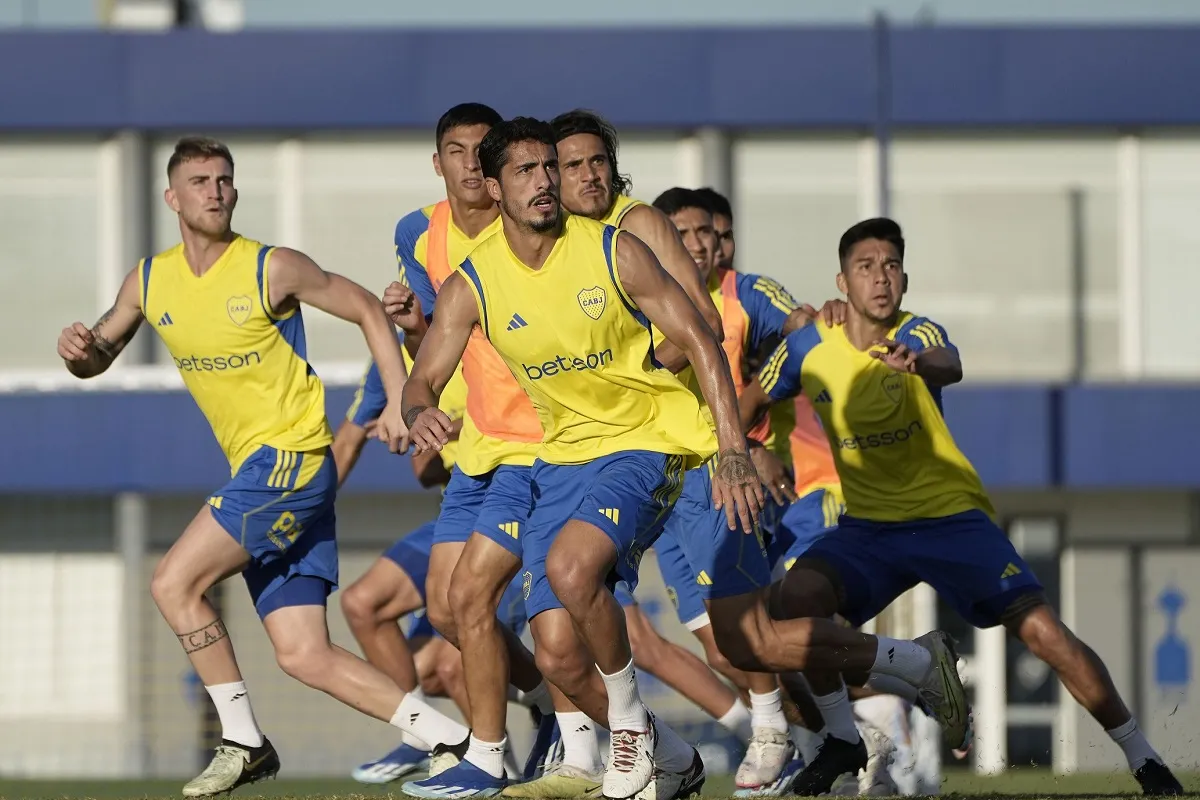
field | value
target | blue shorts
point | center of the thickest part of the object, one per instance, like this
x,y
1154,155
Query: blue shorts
x,y
966,558
680,580
495,504
804,522
511,611
411,554
625,598
627,495
725,562
421,627
279,507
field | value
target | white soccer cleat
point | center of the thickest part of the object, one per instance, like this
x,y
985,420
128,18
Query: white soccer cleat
x,y
234,765
876,780
942,690
630,763
676,785
767,754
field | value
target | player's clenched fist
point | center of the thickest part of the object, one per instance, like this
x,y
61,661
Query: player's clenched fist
x,y
403,306
76,343
428,428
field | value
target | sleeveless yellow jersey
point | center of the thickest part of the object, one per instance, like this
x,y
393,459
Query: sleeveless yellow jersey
x,y
621,206
246,367
581,350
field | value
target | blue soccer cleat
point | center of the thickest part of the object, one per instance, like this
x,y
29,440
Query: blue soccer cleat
x,y
548,735
462,781
400,763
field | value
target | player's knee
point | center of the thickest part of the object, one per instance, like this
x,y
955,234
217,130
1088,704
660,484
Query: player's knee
x,y
1041,630
472,602
561,663
807,590
572,578
307,664
358,605
437,608
169,589
448,675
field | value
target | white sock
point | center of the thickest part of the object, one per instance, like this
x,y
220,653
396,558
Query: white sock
x,y
237,716
890,684
807,743
903,659
406,737
625,709
515,695
838,715
538,696
672,753
488,756
737,721
512,770
416,717
766,711
581,748
1132,741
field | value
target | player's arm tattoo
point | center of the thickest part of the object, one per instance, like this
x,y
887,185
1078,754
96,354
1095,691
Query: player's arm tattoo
x,y
736,469
410,416
207,636
107,349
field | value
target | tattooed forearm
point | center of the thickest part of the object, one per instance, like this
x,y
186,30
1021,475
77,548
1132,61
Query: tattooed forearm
x,y
410,416
207,636
735,468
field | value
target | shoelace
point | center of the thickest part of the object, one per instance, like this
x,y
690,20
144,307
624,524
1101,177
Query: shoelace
x,y
223,758
624,750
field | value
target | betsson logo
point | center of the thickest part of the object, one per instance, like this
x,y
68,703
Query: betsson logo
x,y
560,364
886,439
218,363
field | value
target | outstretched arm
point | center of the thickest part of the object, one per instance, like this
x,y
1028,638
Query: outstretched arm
x,y
89,352
445,342
293,277
668,307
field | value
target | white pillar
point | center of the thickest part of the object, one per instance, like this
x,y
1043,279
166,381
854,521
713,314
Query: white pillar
x,y
132,526
1129,256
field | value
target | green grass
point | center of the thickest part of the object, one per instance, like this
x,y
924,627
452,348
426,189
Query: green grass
x,y
1025,783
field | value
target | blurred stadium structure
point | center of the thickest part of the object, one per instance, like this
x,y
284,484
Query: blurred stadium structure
x,y
1048,179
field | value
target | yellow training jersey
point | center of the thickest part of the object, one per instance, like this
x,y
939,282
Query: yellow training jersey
x,y
245,366
893,451
621,206
581,349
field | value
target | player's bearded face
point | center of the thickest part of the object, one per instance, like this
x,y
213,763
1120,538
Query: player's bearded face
x,y
202,193
586,175
529,186
873,279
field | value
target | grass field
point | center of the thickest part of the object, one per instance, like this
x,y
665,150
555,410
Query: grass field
x,y
1017,783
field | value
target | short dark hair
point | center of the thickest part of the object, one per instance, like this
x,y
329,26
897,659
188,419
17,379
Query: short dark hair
x,y
463,115
197,147
493,150
717,202
881,228
676,199
580,120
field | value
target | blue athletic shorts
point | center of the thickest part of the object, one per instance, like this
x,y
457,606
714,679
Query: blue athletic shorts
x,y
680,580
627,495
725,562
279,507
804,522
966,558
411,554
495,504
421,627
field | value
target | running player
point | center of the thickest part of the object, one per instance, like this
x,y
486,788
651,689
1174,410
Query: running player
x,y
618,431
916,510
489,490
228,310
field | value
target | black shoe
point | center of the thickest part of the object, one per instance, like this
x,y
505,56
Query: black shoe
x,y
1157,781
234,765
835,758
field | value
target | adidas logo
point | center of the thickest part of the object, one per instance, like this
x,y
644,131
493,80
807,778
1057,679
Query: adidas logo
x,y
824,397
513,529
237,696
613,514
1010,571
891,654
516,323
583,729
165,319
412,718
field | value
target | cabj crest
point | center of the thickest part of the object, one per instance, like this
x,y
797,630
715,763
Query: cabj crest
x,y
592,301
239,308
893,387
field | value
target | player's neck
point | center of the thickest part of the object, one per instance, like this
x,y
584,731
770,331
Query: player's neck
x,y
470,220
201,250
862,332
531,247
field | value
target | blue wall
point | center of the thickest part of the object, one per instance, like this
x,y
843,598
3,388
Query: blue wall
x,y
1033,437
745,78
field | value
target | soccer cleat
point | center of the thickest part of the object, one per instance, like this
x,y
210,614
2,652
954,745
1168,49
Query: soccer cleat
x,y
836,758
630,763
875,780
767,754
1157,780
548,735
781,786
676,785
559,782
460,782
234,765
942,689
400,763
445,756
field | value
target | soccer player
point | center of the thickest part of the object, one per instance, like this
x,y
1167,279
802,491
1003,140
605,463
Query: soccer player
x,y
488,495
228,310
618,430
915,509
